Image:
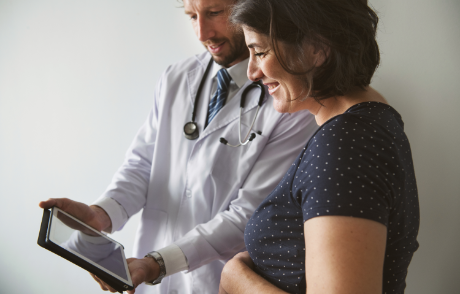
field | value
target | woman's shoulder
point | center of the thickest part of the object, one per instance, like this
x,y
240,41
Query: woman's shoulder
x,y
362,122
367,113
362,134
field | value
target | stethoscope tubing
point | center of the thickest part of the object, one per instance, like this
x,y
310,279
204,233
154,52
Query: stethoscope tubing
x,y
249,136
191,128
246,140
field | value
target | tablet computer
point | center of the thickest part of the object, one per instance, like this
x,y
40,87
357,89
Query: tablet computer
x,y
86,247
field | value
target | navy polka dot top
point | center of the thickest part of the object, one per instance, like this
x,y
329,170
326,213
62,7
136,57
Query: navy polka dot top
x,y
357,164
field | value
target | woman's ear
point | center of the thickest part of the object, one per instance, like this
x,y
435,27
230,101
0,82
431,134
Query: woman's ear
x,y
319,55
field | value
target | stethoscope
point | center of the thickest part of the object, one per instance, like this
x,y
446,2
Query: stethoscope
x,y
191,128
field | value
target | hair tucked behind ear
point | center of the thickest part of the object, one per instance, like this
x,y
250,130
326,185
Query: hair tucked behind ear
x,y
344,30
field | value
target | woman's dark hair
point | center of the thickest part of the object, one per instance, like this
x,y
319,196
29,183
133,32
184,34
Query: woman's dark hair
x,y
344,29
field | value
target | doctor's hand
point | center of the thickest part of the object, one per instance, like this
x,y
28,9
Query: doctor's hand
x,y
141,270
93,215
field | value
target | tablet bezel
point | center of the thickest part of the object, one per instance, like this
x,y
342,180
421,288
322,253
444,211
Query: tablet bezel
x,y
112,279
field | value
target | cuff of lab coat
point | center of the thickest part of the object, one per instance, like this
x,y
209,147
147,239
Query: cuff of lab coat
x,y
197,251
116,212
174,259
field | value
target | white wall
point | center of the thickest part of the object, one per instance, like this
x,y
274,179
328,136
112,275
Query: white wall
x,y
76,79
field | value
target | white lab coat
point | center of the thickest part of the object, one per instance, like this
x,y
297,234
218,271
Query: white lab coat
x,y
200,194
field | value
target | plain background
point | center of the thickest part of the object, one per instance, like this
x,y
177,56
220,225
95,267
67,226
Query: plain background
x,y
76,82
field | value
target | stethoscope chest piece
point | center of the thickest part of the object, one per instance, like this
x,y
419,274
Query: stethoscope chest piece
x,y
191,130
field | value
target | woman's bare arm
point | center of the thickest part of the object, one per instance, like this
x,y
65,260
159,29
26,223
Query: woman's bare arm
x,y
344,255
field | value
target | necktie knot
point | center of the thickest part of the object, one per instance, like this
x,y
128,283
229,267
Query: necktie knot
x,y
218,100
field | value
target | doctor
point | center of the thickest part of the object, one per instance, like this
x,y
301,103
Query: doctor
x,y
196,195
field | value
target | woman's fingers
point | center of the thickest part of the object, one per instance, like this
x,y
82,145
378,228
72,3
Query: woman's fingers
x,y
245,258
222,290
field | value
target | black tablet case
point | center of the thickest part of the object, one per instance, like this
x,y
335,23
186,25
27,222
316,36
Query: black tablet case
x,y
44,242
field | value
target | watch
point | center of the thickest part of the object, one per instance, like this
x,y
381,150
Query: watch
x,y
159,259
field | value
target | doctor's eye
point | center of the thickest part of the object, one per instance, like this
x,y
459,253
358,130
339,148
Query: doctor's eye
x,y
192,16
215,13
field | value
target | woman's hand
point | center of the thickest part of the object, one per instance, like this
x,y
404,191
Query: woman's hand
x,y
231,270
222,290
244,258
238,276
241,258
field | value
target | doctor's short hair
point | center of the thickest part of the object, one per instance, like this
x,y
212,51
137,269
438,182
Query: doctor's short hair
x,y
344,29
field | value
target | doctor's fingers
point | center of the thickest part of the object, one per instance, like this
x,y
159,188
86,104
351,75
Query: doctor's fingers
x,y
103,285
77,209
62,203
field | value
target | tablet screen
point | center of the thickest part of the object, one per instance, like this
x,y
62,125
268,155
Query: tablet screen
x,y
88,244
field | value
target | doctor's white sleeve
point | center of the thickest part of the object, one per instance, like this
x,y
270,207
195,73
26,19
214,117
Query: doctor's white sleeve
x,y
127,192
126,195
223,236
174,258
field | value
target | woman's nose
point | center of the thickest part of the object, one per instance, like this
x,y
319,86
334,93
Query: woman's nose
x,y
254,71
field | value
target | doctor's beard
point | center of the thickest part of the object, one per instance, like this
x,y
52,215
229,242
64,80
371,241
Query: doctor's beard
x,y
237,46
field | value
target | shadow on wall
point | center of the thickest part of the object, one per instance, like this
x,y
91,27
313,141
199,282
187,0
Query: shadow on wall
x,y
429,113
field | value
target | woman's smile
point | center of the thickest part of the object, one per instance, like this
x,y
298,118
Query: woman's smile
x,y
272,87
287,91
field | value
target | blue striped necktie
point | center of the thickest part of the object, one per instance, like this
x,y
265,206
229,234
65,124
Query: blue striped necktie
x,y
218,100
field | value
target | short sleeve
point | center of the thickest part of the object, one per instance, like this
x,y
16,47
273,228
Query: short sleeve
x,y
346,170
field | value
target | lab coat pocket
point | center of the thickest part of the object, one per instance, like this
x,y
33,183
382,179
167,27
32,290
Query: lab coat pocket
x,y
151,234
234,163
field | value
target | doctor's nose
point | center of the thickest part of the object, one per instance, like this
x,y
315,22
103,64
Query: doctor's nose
x,y
204,30
254,71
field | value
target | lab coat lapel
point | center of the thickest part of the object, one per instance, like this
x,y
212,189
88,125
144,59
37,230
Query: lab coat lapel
x,y
194,78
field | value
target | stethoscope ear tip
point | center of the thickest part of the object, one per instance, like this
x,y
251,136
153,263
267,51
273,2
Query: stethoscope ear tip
x,y
223,141
253,135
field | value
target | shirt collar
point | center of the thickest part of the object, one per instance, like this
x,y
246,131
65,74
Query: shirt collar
x,y
238,72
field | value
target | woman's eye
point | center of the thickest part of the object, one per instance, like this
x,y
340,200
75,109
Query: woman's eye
x,y
260,54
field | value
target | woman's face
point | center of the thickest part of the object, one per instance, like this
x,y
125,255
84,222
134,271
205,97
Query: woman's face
x,y
288,91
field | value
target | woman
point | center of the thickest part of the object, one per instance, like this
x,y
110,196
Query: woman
x,y
345,217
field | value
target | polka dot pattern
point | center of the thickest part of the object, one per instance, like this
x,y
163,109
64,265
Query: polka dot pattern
x,y
357,164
